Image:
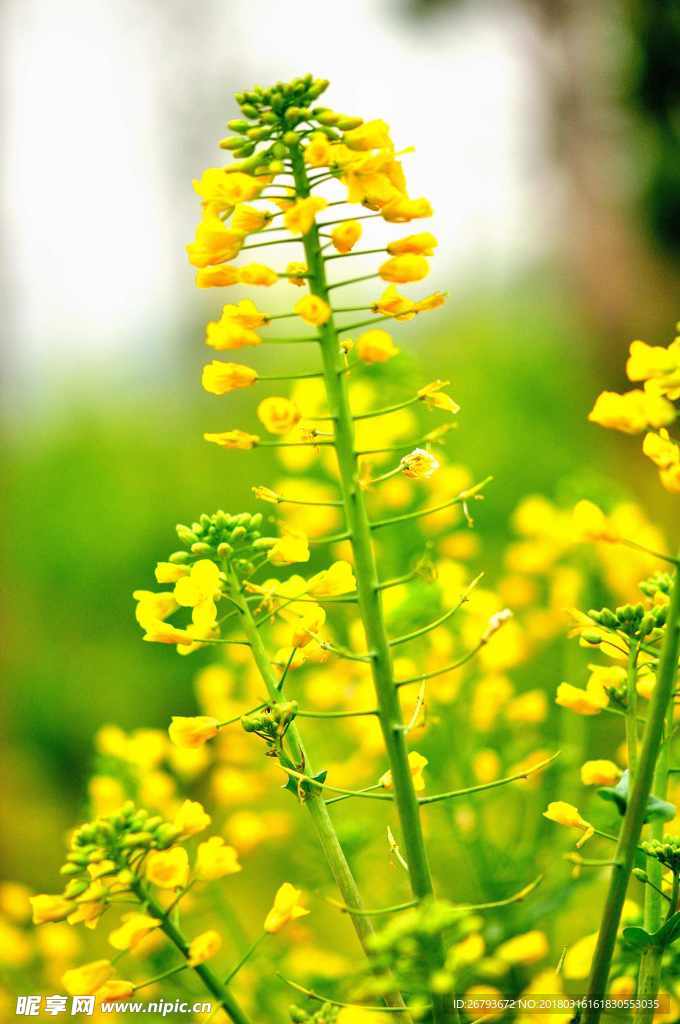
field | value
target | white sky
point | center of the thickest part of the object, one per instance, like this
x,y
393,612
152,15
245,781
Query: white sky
x,y
105,97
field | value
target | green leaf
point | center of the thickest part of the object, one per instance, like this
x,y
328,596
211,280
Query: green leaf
x,y
636,937
657,810
668,932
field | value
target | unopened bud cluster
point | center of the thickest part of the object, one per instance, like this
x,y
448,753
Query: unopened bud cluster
x,y
659,584
666,851
276,119
633,620
216,536
271,722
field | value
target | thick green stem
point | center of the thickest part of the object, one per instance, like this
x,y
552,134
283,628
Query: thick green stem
x,y
368,589
213,984
631,828
631,711
325,830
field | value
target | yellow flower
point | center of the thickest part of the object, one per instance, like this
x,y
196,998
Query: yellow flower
x,y
248,219
391,303
237,439
583,702
632,411
419,464
375,346
86,980
337,579
568,815
401,269
299,217
529,708
579,957
422,244
591,523
359,1015
217,277
401,209
134,928
15,901
257,274
168,869
198,590
345,236
295,272
318,150
287,907
203,947
153,607
214,243
371,135
647,362
168,572
433,301
524,949
313,310
226,189
50,908
215,860
670,478
193,732
112,991
278,415
600,773
191,818
432,395
219,378
292,547
663,452
486,765
417,763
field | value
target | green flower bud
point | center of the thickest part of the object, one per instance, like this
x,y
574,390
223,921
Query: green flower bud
x,y
179,557
224,550
237,124
591,637
186,535
328,117
200,548
346,124
291,138
232,142
280,150
75,887
249,110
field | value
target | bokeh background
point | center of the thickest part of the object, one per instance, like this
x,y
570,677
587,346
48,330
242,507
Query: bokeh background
x,y
545,133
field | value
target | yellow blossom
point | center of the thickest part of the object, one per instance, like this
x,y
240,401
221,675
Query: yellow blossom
x,y
203,947
529,708
191,818
257,274
318,150
295,272
237,439
433,397
590,701
313,310
631,412
50,908
287,907
224,189
217,277
524,949
337,579
153,607
15,901
375,346
419,464
663,452
168,572
133,929
486,765
401,269
214,243
168,869
647,362
370,135
292,547
579,957
566,814
86,980
193,732
215,860
670,478
401,209
277,414
591,523
112,991
422,244
219,378
248,219
391,303
600,773
433,301
299,217
345,236
417,763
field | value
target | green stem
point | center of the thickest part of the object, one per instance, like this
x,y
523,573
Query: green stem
x,y
631,712
370,601
224,997
633,820
325,830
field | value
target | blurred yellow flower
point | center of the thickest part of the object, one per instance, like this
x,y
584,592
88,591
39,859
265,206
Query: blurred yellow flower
x,y
86,980
278,415
313,310
168,869
287,907
220,378
375,346
417,764
215,860
203,947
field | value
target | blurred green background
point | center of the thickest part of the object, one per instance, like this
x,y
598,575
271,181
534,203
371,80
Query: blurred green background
x,y
546,137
